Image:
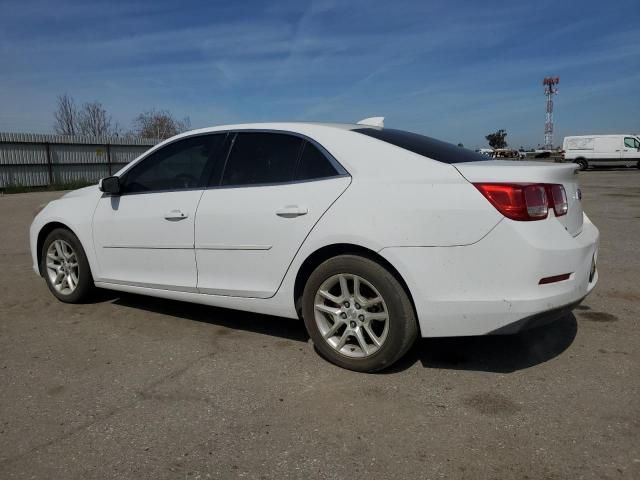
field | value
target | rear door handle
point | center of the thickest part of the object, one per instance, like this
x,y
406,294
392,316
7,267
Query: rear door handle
x,y
175,214
291,211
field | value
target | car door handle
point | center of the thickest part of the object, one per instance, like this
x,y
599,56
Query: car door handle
x,y
175,214
291,211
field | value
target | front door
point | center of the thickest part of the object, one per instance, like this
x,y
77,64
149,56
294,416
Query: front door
x,y
145,235
631,149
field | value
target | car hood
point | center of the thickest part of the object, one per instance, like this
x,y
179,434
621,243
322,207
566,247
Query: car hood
x,y
82,192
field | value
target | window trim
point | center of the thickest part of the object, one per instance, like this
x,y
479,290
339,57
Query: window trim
x,y
135,165
635,141
341,171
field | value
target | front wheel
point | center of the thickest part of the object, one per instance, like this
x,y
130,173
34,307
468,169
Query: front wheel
x,y
65,267
358,314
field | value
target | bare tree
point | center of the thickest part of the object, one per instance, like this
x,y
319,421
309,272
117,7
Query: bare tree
x,y
159,124
66,116
94,120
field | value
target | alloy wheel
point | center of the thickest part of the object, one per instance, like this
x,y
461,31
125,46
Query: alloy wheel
x,y
62,267
351,315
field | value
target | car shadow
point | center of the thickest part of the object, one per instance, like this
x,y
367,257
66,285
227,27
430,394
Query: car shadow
x,y
291,329
491,353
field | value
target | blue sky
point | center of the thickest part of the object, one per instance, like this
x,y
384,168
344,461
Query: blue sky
x,y
452,70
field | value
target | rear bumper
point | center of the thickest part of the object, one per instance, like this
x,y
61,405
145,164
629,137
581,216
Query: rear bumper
x,y
492,286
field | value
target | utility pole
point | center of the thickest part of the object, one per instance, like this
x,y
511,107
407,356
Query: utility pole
x,y
550,90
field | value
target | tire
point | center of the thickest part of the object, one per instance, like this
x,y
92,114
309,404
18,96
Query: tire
x,y
63,261
638,164
583,164
392,321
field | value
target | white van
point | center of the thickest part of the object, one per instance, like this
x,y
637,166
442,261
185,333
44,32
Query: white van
x,y
602,150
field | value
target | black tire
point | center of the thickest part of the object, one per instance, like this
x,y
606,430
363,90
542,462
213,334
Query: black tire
x,y
638,164
402,323
84,287
583,164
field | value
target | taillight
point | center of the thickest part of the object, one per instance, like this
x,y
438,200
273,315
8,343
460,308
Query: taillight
x,y
525,201
558,199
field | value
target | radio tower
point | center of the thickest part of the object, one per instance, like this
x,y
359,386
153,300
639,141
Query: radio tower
x,y
550,90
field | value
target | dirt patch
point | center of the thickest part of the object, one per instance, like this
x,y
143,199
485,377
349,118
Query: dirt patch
x,y
489,403
56,390
598,316
629,296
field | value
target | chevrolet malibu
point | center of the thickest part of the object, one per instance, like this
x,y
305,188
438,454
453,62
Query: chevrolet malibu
x,y
373,236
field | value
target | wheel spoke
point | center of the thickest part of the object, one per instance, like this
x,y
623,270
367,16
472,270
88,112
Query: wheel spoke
x,y
334,328
376,316
328,296
344,288
361,341
327,309
343,339
374,338
58,248
370,302
70,282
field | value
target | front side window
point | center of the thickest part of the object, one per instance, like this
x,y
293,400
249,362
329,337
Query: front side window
x,y
179,165
262,158
631,142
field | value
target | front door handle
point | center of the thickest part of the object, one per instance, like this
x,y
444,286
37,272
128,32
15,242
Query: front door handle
x,y
175,214
292,211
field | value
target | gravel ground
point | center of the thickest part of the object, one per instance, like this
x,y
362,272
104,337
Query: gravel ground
x,y
136,387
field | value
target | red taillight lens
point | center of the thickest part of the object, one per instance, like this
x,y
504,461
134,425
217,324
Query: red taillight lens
x,y
526,201
517,201
558,199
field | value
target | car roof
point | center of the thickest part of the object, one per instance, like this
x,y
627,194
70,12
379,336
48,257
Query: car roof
x,y
284,126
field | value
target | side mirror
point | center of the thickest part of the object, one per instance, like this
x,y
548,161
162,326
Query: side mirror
x,y
110,185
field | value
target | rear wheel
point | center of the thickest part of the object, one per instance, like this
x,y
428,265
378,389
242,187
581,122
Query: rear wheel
x,y
65,267
358,314
582,163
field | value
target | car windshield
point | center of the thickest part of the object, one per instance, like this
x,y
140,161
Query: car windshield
x,y
422,145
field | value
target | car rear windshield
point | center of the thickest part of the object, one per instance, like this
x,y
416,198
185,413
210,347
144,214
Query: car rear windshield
x,y
426,146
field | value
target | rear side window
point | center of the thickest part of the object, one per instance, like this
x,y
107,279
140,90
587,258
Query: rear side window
x,y
179,165
314,164
426,146
259,158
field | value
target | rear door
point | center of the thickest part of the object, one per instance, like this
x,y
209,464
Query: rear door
x,y
251,222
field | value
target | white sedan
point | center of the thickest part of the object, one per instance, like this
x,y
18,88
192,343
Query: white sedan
x,y
372,235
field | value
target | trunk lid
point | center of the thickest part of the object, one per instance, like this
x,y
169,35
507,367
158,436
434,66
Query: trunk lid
x,y
508,171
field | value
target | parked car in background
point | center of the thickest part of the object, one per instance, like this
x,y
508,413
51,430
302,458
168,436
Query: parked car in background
x,y
506,153
602,150
373,236
487,152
